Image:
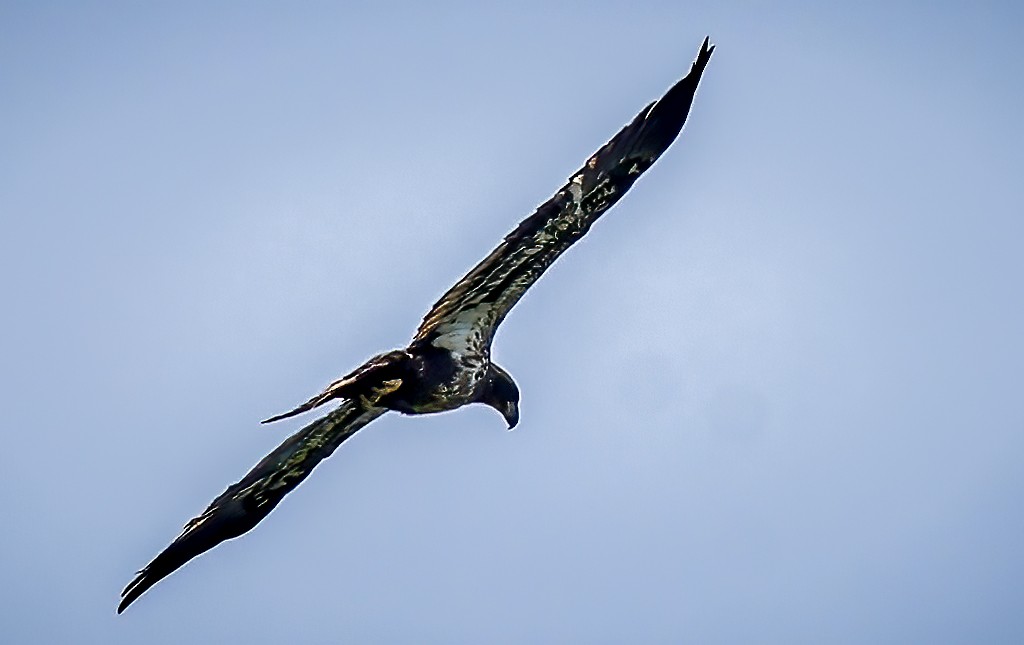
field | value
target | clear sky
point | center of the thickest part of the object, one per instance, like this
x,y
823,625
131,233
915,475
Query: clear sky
x,y
775,396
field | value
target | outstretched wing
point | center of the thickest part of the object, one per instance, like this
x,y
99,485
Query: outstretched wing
x,y
464,319
243,505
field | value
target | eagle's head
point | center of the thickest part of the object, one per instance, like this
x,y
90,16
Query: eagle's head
x,y
501,393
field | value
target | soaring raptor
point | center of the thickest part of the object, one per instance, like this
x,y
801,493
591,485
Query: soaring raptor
x,y
448,364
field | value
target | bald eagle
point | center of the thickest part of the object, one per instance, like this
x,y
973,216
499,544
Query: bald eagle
x,y
448,363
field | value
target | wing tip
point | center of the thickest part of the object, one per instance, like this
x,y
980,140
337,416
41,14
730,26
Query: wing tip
x,y
704,55
135,588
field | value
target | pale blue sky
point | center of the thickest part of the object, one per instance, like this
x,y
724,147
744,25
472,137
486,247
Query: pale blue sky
x,y
773,397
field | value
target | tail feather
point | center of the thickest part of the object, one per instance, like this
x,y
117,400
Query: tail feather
x,y
244,504
381,367
317,400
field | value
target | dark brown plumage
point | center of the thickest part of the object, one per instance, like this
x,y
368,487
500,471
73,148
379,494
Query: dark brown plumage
x,y
448,364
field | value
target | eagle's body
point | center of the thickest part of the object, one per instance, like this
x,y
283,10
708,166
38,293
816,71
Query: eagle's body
x,y
419,379
435,381
448,363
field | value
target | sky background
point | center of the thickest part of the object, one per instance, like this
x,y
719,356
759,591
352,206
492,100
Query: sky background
x,y
774,396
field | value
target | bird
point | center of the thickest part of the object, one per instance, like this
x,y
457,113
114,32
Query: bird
x,y
448,363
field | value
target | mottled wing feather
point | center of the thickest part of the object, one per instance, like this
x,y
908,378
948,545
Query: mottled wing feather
x,y
243,505
465,318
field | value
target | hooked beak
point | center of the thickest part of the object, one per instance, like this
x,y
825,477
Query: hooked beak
x,y
511,414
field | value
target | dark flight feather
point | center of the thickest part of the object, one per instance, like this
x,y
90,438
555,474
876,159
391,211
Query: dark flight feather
x,y
245,503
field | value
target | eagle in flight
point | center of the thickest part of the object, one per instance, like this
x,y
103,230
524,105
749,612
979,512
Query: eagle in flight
x,y
448,364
